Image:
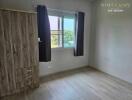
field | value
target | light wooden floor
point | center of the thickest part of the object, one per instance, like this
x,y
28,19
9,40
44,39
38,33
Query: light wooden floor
x,y
80,84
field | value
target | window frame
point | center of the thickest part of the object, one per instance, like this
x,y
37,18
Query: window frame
x,y
62,30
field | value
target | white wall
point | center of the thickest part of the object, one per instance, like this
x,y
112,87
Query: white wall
x,y
112,41
62,59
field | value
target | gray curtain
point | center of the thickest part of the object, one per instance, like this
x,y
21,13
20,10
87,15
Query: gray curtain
x,y
18,52
79,45
44,34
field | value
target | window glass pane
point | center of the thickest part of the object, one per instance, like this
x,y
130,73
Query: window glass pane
x,y
69,30
56,31
60,40
55,22
56,40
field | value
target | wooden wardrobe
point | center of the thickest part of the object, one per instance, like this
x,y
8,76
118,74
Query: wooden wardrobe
x,y
18,52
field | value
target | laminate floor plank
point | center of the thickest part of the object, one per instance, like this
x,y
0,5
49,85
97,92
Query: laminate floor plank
x,y
79,84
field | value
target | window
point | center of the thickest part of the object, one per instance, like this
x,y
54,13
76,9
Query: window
x,y
62,31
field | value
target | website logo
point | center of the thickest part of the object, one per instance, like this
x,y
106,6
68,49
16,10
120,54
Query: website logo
x,y
116,7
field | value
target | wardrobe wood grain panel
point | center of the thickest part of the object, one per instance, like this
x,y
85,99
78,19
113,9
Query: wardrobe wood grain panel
x,y
19,52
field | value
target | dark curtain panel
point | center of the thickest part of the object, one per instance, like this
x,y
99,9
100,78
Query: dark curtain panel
x,y
44,34
79,45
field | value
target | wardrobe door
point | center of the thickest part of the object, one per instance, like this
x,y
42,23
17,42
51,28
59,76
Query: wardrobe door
x,y
3,69
29,50
18,52
16,32
8,80
25,47
33,45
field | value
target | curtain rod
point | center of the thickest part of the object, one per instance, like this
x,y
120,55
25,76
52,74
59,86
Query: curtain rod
x,y
18,10
66,11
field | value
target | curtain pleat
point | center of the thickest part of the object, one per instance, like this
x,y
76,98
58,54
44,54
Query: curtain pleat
x,y
79,45
19,52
